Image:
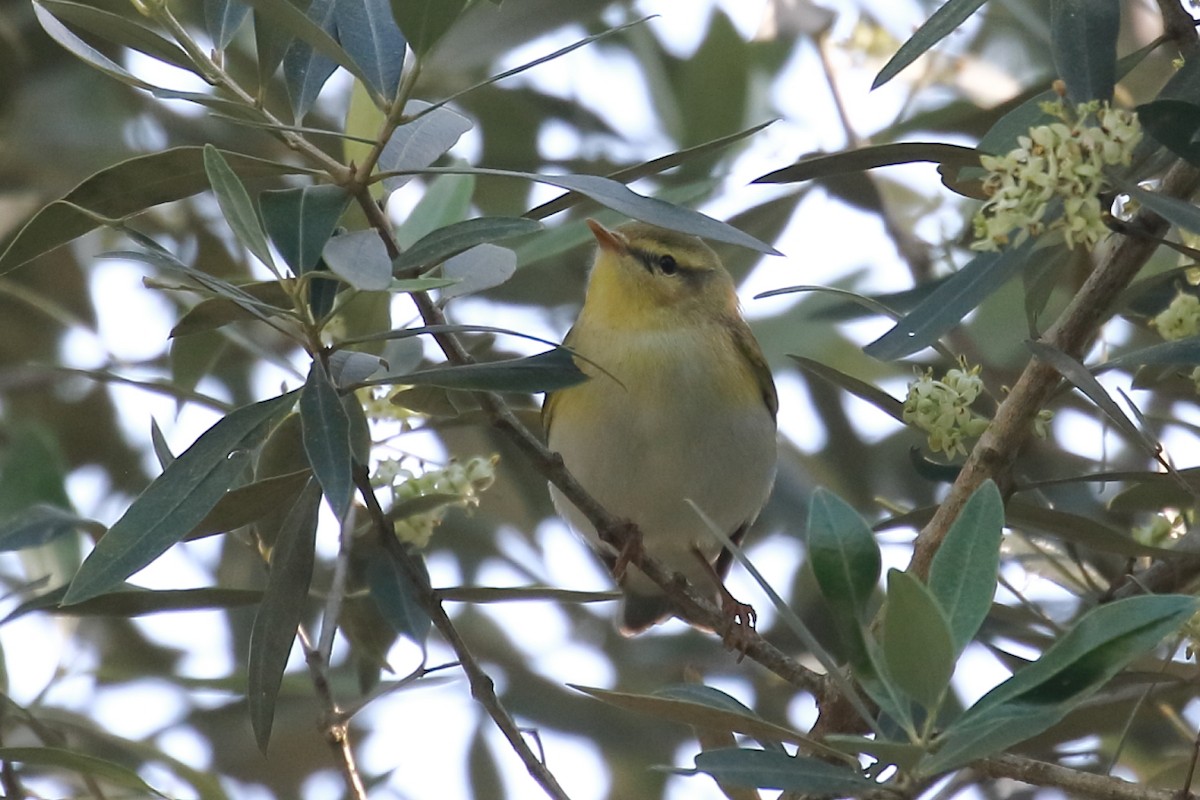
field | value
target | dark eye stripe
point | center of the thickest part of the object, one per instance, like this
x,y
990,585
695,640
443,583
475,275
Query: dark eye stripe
x,y
656,262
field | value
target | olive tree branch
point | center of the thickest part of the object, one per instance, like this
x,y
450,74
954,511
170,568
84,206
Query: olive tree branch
x,y
1074,782
1072,333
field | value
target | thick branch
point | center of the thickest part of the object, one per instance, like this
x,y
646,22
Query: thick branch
x,y
1073,333
1072,781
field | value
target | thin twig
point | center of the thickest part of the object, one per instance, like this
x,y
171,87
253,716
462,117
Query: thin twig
x,y
483,689
335,723
1074,782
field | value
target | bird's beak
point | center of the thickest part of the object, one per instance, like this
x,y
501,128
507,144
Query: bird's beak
x,y
608,240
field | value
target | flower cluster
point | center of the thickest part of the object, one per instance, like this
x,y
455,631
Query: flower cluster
x,y
1062,161
942,408
455,484
1181,319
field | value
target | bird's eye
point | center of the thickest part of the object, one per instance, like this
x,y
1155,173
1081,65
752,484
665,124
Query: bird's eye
x,y
668,264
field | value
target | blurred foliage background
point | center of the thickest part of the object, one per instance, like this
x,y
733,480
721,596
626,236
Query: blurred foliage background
x,y
71,436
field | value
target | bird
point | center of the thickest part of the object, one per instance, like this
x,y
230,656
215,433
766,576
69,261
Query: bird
x,y
679,405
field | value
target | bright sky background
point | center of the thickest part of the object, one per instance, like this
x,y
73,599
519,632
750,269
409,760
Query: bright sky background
x,y
447,711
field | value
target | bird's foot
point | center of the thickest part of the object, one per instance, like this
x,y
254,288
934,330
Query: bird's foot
x,y
630,553
740,621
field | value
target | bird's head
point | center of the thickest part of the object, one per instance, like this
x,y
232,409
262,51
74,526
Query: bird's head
x,y
650,277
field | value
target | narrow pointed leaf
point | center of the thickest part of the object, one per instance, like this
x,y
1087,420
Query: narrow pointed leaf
x,y
1181,351
860,389
361,258
282,15
305,69
162,451
766,769
962,577
134,601
424,22
121,30
39,524
917,643
120,191
396,598
1083,40
250,503
437,246
417,144
223,18
544,372
943,22
252,301
236,204
621,198
326,431
1102,643
883,155
281,611
60,33
484,266
301,220
949,303
82,763
368,34
1083,380
176,501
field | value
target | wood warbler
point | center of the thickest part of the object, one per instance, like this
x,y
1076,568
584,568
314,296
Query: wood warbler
x,y
679,406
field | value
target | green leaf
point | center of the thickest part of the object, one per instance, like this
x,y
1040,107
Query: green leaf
x,y
860,389
1083,531
962,577
222,18
437,246
395,596
120,191
162,450
266,298
943,22
903,754
39,524
1174,124
1102,643
81,763
1083,40
699,706
950,302
326,430
949,156
121,30
236,205
84,51
301,220
250,503
483,267
917,644
544,372
766,769
621,198
134,601
282,15
281,611
176,501
270,44
424,22
368,33
843,552
421,141
1181,351
305,70
1083,380
361,258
